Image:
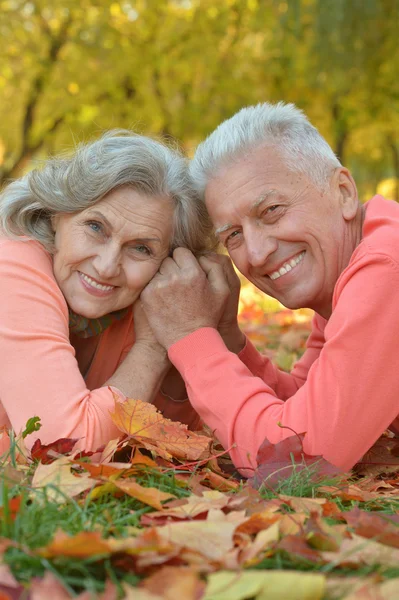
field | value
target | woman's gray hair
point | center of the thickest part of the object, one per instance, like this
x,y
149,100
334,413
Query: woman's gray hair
x,y
118,158
282,127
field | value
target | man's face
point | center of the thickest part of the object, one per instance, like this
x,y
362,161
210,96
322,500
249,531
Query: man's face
x,y
290,239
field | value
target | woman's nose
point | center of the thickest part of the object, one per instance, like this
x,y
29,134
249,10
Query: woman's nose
x,y
108,263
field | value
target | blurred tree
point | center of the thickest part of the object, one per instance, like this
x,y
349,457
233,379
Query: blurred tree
x,y
72,68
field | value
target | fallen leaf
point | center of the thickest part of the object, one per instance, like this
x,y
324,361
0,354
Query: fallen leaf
x,y
269,585
48,453
361,551
48,588
277,462
372,525
148,495
59,481
212,540
81,545
172,583
143,423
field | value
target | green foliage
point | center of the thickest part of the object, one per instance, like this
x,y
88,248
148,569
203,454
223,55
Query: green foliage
x,y
179,67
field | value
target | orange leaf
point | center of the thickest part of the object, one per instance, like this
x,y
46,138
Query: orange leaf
x,y
175,582
81,545
148,495
143,423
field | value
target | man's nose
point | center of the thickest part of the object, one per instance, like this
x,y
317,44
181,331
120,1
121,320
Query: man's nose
x,y
260,245
108,262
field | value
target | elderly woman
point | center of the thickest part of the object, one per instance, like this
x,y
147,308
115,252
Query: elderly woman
x,y
79,241
288,214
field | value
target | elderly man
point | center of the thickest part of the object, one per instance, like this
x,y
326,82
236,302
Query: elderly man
x,y
289,216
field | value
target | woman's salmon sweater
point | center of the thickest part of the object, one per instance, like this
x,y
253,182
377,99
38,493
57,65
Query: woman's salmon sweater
x,y
39,374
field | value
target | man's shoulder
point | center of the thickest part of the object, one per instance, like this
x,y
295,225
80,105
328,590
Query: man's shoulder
x,y
381,228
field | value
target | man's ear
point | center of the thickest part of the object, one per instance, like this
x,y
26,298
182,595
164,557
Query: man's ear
x,y
344,185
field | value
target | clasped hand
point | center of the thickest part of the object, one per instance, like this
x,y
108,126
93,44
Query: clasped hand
x,y
187,294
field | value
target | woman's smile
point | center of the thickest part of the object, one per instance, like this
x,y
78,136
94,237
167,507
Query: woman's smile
x,y
94,287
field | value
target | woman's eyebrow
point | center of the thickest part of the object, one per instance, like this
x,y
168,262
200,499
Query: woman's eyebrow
x,y
97,213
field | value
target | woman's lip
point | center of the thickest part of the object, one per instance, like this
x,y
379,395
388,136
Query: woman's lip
x,y
93,290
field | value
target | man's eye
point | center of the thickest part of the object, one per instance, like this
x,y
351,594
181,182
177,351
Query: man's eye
x,y
272,208
231,236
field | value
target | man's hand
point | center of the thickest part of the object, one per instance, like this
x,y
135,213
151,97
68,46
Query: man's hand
x,y
184,296
228,324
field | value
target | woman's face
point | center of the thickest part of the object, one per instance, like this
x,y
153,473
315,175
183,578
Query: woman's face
x,y
106,254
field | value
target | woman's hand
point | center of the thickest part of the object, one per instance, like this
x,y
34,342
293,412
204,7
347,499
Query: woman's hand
x,y
228,324
144,336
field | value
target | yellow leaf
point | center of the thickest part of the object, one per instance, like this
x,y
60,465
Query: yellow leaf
x,y
59,480
270,585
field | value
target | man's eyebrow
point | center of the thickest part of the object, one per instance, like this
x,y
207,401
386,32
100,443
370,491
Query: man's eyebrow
x,y
222,229
264,196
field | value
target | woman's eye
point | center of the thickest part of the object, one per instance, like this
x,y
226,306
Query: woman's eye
x,y
142,249
95,226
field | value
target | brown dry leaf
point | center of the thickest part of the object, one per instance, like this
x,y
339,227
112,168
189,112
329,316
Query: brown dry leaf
x,y
143,423
188,508
347,493
304,505
261,585
59,480
172,583
48,588
259,521
297,548
7,578
104,469
212,540
148,495
292,523
388,590
81,545
361,551
372,525
262,542
322,536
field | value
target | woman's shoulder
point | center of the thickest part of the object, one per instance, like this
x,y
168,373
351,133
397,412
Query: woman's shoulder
x,y
25,252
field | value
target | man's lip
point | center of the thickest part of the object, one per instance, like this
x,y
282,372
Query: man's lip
x,y
273,270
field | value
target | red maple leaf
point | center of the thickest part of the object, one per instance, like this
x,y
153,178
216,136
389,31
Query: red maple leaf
x,y
48,453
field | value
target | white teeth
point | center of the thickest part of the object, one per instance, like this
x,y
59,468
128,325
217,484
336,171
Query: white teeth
x,y
287,266
98,286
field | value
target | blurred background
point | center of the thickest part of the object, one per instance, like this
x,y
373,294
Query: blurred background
x,y
71,68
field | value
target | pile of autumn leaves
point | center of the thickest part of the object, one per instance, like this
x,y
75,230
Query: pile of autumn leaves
x,y
207,546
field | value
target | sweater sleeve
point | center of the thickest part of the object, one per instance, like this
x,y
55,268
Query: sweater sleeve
x,y
282,383
351,392
39,375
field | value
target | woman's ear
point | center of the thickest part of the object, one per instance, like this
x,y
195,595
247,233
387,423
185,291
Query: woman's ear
x,y
345,186
54,222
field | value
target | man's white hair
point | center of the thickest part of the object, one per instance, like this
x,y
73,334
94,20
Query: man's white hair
x,y
283,127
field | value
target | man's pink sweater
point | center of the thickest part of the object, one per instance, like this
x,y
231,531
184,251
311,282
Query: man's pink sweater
x,y
343,393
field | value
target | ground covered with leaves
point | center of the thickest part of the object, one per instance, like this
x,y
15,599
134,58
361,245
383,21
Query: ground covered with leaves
x,y
161,513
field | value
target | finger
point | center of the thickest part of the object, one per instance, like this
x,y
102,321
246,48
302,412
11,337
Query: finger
x,y
184,258
215,274
168,266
